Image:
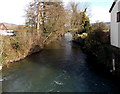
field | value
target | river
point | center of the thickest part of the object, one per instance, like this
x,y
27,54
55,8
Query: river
x,y
60,67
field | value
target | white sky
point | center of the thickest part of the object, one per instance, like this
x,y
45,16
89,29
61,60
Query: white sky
x,y
100,14
13,11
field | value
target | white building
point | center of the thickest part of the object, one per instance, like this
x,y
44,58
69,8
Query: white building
x,y
115,23
5,32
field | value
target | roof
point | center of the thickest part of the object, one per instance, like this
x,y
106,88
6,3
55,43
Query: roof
x,y
3,27
113,6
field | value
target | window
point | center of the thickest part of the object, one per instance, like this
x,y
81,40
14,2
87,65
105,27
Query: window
x,y
118,17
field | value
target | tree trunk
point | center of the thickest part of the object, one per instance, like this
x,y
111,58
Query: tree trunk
x,y
38,23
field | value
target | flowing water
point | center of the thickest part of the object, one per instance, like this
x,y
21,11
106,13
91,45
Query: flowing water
x,y
61,67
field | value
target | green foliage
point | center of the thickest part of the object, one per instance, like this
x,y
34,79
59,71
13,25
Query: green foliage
x,y
97,38
87,26
97,43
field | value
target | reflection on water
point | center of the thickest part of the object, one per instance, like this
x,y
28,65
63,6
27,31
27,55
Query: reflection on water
x,y
68,36
61,67
67,42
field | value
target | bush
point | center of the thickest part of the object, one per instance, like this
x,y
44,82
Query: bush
x,y
97,38
99,26
15,45
98,44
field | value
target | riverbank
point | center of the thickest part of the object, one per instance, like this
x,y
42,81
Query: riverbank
x,y
59,67
102,57
17,47
102,69
23,44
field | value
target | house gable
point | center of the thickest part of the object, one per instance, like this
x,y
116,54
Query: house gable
x,y
3,27
115,24
119,6
113,5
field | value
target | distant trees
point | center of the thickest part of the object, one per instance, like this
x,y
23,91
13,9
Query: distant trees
x,y
46,17
31,15
76,17
99,26
55,17
52,16
79,20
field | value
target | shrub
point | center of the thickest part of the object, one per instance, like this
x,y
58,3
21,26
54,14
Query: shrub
x,y
15,45
98,44
99,26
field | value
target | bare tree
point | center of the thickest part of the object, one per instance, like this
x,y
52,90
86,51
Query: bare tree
x,y
78,16
46,17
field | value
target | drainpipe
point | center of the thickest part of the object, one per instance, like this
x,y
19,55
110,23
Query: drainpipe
x,y
113,62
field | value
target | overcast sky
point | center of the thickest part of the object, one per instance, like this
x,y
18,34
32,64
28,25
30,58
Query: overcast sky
x,y
13,11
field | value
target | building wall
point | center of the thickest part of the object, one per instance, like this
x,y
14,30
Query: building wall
x,y
119,25
114,26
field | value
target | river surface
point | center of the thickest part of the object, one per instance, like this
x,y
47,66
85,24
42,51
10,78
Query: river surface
x,y
60,67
